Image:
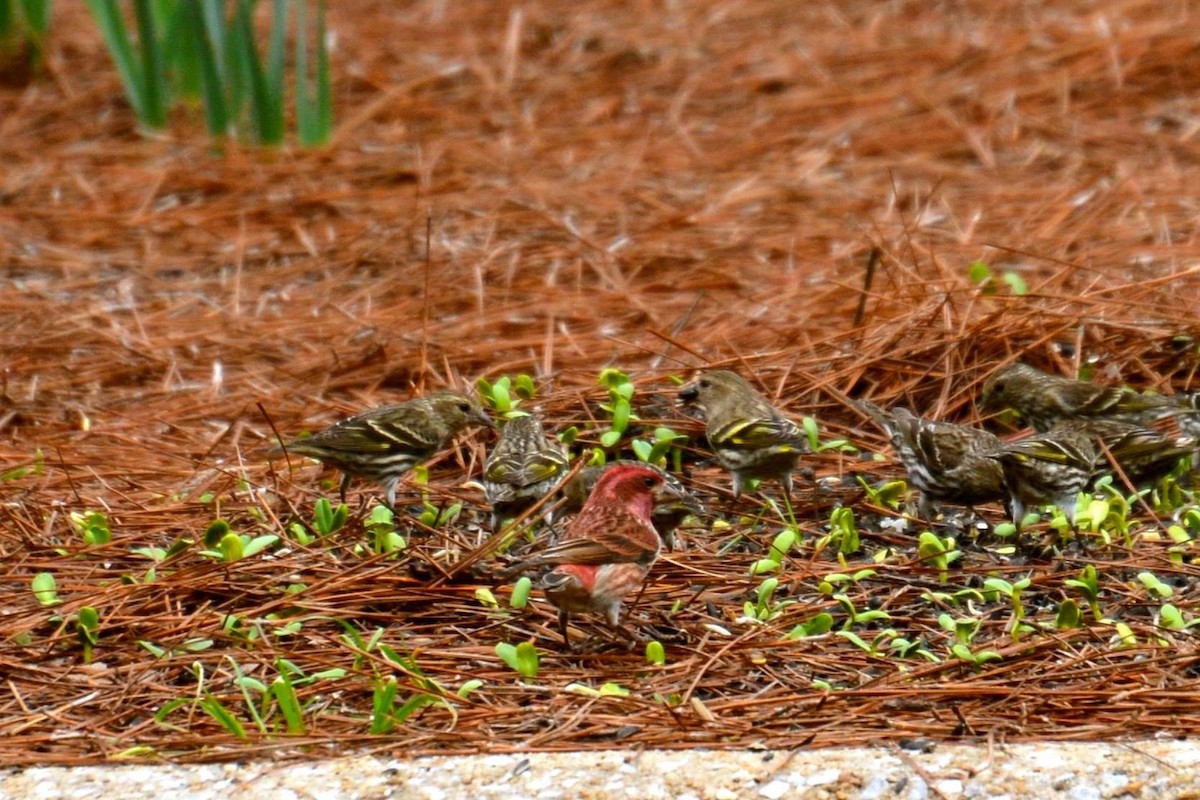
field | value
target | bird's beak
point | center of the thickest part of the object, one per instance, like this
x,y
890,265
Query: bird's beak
x,y
688,392
482,417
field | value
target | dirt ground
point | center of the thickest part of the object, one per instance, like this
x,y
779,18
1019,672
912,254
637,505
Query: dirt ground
x,y
551,189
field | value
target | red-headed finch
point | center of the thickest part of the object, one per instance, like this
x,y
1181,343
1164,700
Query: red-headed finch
x,y
1043,400
670,510
751,438
945,461
522,469
1052,467
606,552
384,443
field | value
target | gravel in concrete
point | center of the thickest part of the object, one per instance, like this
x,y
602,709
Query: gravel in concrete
x,y
1165,770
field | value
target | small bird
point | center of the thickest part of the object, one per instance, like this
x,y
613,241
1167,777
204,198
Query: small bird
x,y
671,509
1052,467
945,461
384,443
751,438
606,552
522,468
1043,399
1145,455
1189,422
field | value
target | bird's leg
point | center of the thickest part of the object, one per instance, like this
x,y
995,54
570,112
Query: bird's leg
x,y
343,486
562,627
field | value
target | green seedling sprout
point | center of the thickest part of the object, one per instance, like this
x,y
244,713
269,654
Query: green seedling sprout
x,y
812,432
1068,616
520,593
656,655
92,527
937,553
522,658
665,442
506,394
907,648
843,533
39,459
1088,584
619,405
980,274
45,589
856,617
874,648
1154,585
765,608
224,544
607,689
1011,591
327,519
87,629
781,545
381,528
820,624
889,494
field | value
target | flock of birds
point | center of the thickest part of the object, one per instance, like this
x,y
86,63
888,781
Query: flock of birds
x,y
625,511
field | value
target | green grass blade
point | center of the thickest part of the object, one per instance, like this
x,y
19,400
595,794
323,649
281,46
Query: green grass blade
x,y
116,38
181,48
37,16
216,111
277,55
154,86
267,124
312,96
324,127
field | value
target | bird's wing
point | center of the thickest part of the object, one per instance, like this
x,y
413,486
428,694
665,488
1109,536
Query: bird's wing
x,y
757,433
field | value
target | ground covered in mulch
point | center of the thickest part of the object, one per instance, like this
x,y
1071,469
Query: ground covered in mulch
x,y
642,186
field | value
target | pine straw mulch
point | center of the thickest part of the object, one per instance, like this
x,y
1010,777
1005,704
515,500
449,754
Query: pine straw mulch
x,y
654,189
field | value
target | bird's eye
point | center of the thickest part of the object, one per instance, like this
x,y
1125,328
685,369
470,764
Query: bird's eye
x,y
650,481
998,387
464,406
705,383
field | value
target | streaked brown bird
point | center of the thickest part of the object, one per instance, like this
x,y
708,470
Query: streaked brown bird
x,y
522,469
1145,455
1052,467
607,551
946,462
1043,400
751,438
670,510
382,444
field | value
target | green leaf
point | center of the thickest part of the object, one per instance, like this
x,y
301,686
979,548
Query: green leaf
x,y
45,589
643,450
527,660
520,593
764,565
1151,582
383,701
289,705
1068,615
610,438
1016,283
323,517
655,654
232,547
978,272
485,596
255,546
217,530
